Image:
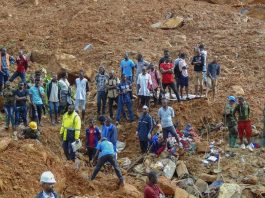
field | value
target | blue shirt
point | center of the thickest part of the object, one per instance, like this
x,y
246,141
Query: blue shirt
x,y
36,97
110,132
144,127
105,148
126,67
124,93
213,70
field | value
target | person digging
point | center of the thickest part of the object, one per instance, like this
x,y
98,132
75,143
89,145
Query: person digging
x,y
30,132
105,153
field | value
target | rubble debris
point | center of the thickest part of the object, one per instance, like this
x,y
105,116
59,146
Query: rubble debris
x,y
4,142
166,186
208,177
171,23
181,170
228,190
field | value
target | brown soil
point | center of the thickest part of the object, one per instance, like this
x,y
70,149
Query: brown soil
x,y
113,27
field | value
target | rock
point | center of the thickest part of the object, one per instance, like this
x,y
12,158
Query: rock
x,y
180,193
169,169
238,90
129,191
202,147
166,186
228,190
208,177
246,193
184,183
193,191
202,185
250,180
171,23
181,170
4,142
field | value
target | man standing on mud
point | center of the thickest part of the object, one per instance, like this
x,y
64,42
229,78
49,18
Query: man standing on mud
x,y
244,123
230,121
70,131
82,88
165,114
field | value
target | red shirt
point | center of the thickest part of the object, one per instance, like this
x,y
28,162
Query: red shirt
x,y
22,64
152,191
167,78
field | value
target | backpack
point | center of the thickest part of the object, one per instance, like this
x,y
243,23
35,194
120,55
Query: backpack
x,y
177,72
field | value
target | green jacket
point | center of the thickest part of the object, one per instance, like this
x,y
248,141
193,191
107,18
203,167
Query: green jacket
x,y
243,111
230,119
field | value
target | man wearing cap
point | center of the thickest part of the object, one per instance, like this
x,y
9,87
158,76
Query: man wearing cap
x,y
21,97
70,131
101,80
165,114
105,153
230,121
144,129
9,105
244,123
31,132
22,66
47,181
112,84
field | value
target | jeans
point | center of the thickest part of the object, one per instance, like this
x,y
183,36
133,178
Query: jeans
x,y
111,101
144,146
120,109
173,87
9,111
21,113
171,130
102,160
4,77
101,97
37,113
68,150
22,76
54,108
130,80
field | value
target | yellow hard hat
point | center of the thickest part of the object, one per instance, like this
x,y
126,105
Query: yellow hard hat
x,y
33,125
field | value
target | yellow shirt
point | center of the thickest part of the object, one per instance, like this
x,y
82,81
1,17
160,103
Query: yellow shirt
x,y
71,121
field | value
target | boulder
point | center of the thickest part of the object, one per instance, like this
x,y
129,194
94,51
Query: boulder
x,y
129,190
4,142
238,90
166,186
169,169
228,190
208,177
180,193
171,23
253,180
181,170
202,185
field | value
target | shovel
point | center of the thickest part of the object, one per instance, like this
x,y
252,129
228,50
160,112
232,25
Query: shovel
x,y
218,170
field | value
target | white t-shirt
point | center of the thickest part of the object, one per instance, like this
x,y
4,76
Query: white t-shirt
x,y
144,81
80,89
64,84
183,67
166,115
54,92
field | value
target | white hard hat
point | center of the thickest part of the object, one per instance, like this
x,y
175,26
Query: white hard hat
x,y
47,177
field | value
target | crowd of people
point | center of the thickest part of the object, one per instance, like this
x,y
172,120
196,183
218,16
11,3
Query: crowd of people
x,y
31,97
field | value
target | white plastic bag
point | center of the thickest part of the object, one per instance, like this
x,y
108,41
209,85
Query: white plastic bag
x,y
76,145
